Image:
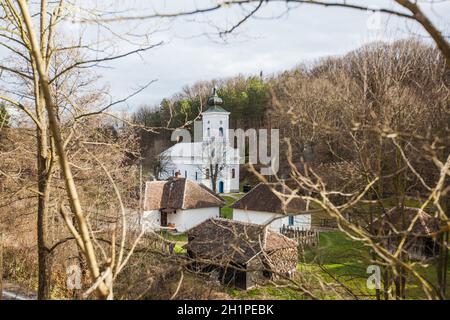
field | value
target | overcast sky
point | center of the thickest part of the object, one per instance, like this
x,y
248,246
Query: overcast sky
x,y
263,43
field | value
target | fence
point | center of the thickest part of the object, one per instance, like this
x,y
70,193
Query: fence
x,y
155,242
304,238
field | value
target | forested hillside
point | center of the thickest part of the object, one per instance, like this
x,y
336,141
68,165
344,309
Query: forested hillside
x,y
315,106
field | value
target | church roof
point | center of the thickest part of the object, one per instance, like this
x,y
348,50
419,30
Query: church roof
x,y
215,108
214,103
262,198
179,193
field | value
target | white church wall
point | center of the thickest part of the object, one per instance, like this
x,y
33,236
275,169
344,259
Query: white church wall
x,y
214,121
234,182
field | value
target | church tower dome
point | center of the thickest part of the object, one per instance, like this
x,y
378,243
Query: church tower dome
x,y
214,103
215,100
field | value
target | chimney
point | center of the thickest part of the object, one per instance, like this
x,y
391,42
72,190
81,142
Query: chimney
x,y
177,174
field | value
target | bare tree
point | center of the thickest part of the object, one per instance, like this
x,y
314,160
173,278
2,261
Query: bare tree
x,y
44,64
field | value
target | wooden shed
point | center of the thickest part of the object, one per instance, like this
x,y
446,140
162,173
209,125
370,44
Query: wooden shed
x,y
243,254
417,224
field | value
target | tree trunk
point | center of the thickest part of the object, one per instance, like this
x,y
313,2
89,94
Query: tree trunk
x,y
43,181
442,264
213,172
84,240
1,265
387,283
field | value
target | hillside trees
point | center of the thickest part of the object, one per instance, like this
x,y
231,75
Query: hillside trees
x,y
45,81
383,111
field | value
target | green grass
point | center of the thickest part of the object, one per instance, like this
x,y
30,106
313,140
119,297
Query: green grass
x,y
266,292
347,260
226,211
337,258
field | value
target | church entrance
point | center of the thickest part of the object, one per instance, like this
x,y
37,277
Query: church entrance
x,y
220,186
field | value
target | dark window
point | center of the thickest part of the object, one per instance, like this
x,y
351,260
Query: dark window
x,y
291,220
233,173
196,175
221,132
185,173
207,174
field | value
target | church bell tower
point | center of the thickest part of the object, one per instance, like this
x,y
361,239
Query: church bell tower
x,y
215,120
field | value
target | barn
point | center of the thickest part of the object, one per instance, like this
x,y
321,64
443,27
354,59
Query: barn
x,y
178,204
274,204
243,254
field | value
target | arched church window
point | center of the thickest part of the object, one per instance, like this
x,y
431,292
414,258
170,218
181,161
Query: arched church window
x,y
185,173
221,132
213,153
207,174
233,173
209,132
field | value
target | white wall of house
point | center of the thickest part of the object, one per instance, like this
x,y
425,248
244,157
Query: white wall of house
x,y
303,221
151,219
183,220
263,217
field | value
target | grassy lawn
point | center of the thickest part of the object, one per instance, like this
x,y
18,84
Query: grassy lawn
x,y
180,239
337,258
267,292
347,260
226,211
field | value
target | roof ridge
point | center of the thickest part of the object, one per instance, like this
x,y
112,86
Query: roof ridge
x,y
211,192
238,200
184,194
238,222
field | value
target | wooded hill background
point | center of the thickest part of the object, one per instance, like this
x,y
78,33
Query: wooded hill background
x,y
401,85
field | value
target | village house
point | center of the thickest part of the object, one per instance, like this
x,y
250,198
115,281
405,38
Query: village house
x,y
419,244
262,205
243,254
210,160
178,204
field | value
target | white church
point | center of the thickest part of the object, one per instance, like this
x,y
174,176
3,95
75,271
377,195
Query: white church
x,y
211,158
